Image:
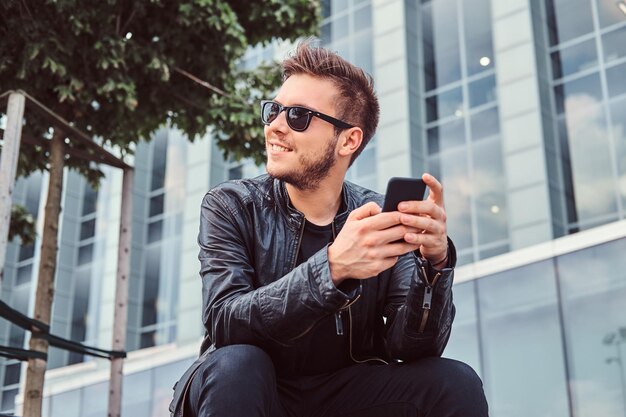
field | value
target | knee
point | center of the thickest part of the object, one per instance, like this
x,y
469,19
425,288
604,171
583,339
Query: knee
x,y
458,379
235,362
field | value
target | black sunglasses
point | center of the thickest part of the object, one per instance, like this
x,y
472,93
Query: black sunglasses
x,y
298,117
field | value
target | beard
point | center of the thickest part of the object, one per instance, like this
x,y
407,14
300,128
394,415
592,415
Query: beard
x,y
312,171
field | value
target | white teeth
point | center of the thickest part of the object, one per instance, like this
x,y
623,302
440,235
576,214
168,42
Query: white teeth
x,y
279,148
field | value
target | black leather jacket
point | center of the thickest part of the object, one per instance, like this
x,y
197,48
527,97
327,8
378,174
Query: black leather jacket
x,y
253,293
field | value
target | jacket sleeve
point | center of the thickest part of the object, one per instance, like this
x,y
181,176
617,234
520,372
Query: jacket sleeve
x,y
419,307
236,308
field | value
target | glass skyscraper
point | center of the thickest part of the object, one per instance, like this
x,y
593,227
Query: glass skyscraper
x,y
518,107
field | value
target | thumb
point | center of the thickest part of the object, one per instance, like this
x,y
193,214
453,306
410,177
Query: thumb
x,y
366,210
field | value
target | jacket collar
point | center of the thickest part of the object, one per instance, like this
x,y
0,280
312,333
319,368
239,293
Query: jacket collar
x,y
296,217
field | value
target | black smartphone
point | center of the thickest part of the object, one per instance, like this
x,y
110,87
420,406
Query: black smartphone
x,y
403,189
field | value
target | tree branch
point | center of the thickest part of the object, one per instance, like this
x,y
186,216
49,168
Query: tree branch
x,y
208,85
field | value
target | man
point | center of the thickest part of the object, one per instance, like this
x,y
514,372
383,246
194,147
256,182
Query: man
x,y
314,302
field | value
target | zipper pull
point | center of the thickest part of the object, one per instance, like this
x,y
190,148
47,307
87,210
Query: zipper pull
x,y
428,296
339,323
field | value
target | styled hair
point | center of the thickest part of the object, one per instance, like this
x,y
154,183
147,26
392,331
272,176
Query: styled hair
x,y
356,103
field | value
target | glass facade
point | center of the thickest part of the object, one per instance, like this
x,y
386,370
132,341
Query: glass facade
x,y
461,120
146,393
548,338
347,29
19,269
588,61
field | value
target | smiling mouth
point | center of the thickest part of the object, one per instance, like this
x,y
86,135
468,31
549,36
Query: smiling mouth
x,y
279,148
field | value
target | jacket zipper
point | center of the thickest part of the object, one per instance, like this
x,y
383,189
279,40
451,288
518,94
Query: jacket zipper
x,y
338,320
295,261
350,344
428,297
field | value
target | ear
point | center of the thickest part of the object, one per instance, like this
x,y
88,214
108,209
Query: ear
x,y
350,140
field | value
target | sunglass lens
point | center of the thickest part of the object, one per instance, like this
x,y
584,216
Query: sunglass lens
x,y
269,112
298,118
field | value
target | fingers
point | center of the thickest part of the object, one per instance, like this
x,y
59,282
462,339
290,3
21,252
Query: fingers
x,y
372,218
435,187
367,210
422,224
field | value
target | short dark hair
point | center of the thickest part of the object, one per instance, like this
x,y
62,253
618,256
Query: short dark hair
x,y
357,103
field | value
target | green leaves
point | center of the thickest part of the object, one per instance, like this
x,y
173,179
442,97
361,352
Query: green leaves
x,y
110,68
22,225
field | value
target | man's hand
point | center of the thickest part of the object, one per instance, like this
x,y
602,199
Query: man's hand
x,y
428,217
369,243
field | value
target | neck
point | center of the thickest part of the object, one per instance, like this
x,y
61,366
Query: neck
x,y
320,205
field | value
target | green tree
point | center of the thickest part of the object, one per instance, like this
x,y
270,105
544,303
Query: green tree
x,y
118,70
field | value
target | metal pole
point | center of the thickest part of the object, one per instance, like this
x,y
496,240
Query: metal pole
x,y
8,167
121,296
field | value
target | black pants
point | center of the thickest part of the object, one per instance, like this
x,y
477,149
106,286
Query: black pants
x,y
240,381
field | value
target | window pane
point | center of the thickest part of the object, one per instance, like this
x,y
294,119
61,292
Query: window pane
x,y
457,189
482,91
151,286
24,274
446,104
477,22
363,18
363,52
325,8
609,14
157,202
87,229
340,27
159,159
26,252
365,164
594,326
8,400
573,59
446,136
490,191
591,161
33,193
155,231
521,340
326,33
95,400
89,200
485,124
614,45
85,254
66,404
463,344
12,374
442,63
579,93
148,339
338,5
164,378
616,79
618,118
568,19
234,173
136,394
81,304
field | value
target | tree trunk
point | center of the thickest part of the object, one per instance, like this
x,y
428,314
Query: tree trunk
x,y
33,389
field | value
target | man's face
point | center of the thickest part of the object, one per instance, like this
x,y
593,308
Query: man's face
x,y
303,159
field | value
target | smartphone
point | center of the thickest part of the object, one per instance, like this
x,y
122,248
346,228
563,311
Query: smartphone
x,y
403,189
